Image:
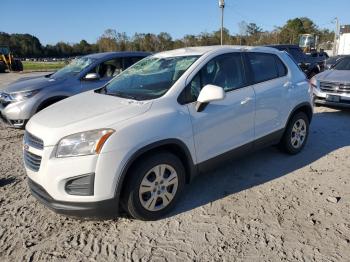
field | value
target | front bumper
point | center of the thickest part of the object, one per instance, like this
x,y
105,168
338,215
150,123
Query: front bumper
x,y
322,101
320,98
13,116
101,209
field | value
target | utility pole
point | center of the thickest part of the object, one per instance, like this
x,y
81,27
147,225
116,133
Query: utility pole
x,y
222,6
336,32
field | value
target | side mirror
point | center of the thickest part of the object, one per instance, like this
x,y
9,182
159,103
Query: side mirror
x,y
209,93
92,77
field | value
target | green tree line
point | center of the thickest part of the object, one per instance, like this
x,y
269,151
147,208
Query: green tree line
x,y
25,45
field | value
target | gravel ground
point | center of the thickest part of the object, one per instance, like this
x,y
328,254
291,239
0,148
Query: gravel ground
x,y
265,207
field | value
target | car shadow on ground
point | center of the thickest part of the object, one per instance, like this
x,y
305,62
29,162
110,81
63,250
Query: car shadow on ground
x,y
7,181
329,131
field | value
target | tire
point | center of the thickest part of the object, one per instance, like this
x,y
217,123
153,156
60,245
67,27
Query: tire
x,y
296,134
2,67
17,65
146,195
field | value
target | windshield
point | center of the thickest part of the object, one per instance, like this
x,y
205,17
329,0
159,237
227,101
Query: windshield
x,y
73,68
150,78
343,64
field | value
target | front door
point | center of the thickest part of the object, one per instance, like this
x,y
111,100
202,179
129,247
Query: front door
x,y
106,70
227,124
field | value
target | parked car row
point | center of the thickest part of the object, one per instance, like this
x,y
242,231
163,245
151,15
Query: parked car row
x,y
133,140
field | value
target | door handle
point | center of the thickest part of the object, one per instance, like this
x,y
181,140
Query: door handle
x,y
246,100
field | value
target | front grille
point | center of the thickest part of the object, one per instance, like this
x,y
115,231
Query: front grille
x,y
335,88
33,141
32,161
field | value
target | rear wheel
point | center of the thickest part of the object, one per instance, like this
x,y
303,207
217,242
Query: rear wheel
x,y
154,186
296,134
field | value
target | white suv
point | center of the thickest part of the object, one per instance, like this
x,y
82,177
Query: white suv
x,y
137,141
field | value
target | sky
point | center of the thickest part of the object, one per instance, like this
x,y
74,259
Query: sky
x,y
73,20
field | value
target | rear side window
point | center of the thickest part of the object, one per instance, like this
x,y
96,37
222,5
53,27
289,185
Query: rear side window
x,y
263,66
266,66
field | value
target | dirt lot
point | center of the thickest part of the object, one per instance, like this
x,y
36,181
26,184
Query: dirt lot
x,y
265,207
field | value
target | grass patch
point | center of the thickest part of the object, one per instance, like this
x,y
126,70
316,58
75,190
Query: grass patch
x,y
42,66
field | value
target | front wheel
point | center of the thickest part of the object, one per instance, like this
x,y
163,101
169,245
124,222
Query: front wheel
x,y
296,134
154,186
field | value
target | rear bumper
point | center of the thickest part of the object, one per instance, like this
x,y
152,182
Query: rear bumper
x,y
102,209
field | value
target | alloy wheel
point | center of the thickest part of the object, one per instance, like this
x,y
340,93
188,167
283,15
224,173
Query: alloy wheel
x,y
158,187
298,133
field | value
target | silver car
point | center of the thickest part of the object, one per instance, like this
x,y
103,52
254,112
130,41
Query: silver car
x,y
20,100
332,87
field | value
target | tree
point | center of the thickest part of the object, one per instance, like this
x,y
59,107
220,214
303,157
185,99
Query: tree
x,y
253,29
165,42
291,31
25,45
108,41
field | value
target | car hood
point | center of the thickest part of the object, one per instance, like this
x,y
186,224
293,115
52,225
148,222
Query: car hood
x,y
334,76
29,84
87,111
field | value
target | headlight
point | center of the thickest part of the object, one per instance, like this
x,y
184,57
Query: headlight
x,y
313,82
82,144
21,96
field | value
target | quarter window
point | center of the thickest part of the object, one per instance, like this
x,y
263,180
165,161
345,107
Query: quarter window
x,y
282,70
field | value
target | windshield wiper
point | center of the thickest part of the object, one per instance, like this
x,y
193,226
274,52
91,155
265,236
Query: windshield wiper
x,y
123,95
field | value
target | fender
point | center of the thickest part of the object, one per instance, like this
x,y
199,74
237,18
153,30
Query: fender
x,y
48,102
298,107
170,144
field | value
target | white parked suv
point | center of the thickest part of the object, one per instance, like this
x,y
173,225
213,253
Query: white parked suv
x,y
137,141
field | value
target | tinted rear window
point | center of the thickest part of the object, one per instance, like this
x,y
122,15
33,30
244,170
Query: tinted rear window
x,y
263,66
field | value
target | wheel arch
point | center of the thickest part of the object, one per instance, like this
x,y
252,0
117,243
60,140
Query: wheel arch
x,y
302,107
49,101
175,146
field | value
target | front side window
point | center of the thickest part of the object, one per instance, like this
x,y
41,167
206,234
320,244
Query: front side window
x,y
226,71
150,78
264,67
73,68
109,68
343,64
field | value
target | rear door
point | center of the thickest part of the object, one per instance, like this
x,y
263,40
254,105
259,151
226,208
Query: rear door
x,y
269,77
227,124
